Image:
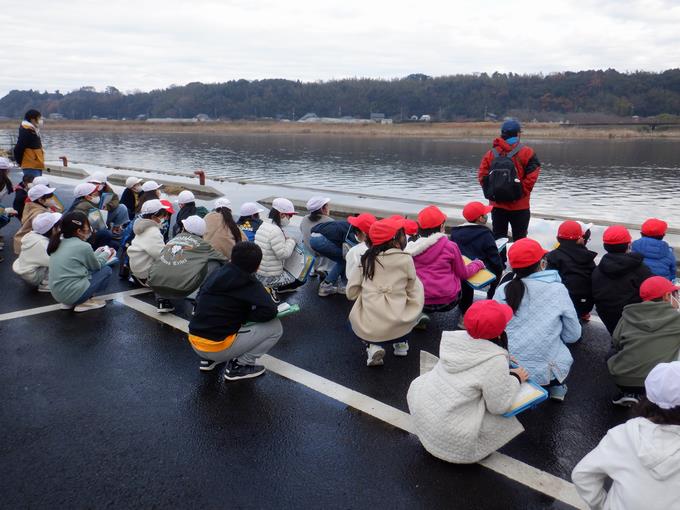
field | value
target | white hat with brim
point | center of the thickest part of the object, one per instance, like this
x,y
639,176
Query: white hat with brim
x,y
132,181
663,385
5,164
194,225
283,205
153,206
250,208
222,202
43,222
84,189
185,197
316,203
98,178
41,179
150,186
39,191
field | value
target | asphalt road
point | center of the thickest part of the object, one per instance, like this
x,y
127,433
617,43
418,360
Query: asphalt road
x,y
108,409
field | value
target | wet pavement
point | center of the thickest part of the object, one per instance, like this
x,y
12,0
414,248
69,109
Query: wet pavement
x,y
108,408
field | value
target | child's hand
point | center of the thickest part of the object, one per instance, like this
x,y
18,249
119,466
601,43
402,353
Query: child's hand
x,y
10,211
521,373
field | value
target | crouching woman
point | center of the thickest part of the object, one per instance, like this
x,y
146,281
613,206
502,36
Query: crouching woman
x,y
457,406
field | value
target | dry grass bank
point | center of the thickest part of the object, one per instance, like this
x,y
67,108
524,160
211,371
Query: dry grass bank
x,y
412,130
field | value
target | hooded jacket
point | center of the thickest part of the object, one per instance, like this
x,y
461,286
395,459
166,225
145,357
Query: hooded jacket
x,y
576,264
456,407
528,168
130,200
275,249
647,334
71,268
335,231
33,254
189,209
31,210
476,241
306,226
219,235
544,322
182,266
387,306
658,256
643,461
28,151
229,298
616,283
440,266
145,248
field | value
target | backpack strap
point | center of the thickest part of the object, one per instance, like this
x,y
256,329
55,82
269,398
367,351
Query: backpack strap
x,y
495,152
514,151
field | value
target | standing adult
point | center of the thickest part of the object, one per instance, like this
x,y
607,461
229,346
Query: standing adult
x,y
507,174
28,151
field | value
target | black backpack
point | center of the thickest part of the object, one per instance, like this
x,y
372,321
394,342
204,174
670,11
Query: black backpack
x,y
503,184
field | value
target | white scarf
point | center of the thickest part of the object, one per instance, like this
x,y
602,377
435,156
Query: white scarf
x,y
27,125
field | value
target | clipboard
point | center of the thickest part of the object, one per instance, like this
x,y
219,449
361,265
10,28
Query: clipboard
x,y
283,312
105,199
530,395
480,279
299,264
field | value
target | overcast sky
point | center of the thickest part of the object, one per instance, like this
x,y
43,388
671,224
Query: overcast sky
x,y
50,45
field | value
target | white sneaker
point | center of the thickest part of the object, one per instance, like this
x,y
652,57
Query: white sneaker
x,y
342,287
327,289
90,304
375,355
64,306
44,286
400,348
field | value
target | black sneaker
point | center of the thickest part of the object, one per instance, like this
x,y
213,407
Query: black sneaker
x,y
164,306
626,400
208,365
236,371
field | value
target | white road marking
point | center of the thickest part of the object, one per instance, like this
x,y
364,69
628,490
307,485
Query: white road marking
x,y
514,469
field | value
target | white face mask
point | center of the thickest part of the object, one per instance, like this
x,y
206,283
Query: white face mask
x,y
41,122
285,221
95,200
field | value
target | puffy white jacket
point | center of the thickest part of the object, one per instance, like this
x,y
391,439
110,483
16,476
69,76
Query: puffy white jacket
x,y
33,254
457,406
145,248
643,461
275,248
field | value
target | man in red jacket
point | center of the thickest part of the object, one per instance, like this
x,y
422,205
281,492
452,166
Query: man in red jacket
x,y
515,211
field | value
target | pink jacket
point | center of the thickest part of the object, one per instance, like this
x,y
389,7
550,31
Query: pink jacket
x,y
440,267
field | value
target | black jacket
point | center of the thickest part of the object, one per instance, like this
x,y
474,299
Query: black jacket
x,y
229,298
575,263
28,139
477,242
128,200
616,283
20,196
335,231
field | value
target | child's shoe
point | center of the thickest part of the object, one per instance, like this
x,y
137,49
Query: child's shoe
x,y
207,365
557,392
327,289
342,287
627,400
236,371
423,321
44,286
375,355
90,304
400,348
164,305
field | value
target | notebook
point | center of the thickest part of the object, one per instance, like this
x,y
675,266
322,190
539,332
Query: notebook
x,y
299,264
481,279
105,199
501,243
284,310
530,394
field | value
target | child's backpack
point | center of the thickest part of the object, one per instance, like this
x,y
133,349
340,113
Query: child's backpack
x,y
503,184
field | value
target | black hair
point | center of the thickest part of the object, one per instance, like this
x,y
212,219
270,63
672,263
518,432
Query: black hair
x,y
246,256
45,197
655,414
188,204
145,197
275,217
315,215
427,232
509,134
616,248
5,183
658,238
53,230
27,178
514,290
369,259
229,222
158,214
32,114
69,224
501,341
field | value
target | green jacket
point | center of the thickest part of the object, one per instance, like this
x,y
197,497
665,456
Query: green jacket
x,y
182,266
70,268
647,334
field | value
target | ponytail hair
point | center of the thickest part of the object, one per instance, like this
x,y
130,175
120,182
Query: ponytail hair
x,y
514,290
69,225
275,216
229,222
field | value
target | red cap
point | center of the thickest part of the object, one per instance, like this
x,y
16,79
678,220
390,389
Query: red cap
x,y
411,227
474,210
431,217
525,253
384,230
616,235
655,287
654,227
167,206
571,230
363,222
487,319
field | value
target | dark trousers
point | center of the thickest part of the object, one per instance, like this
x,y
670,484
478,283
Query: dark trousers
x,y
582,304
467,293
517,220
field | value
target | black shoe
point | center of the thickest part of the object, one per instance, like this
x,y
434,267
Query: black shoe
x,y
236,371
164,306
626,400
208,365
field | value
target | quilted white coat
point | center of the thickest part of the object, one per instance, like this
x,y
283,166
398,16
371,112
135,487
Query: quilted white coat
x,y
457,406
275,248
145,248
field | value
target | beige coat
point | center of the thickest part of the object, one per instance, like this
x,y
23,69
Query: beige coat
x,y
31,210
218,235
388,306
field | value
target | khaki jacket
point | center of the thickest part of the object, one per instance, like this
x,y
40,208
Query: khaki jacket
x,y
218,235
31,210
388,306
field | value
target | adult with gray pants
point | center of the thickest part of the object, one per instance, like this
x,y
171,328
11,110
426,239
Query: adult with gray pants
x,y
235,317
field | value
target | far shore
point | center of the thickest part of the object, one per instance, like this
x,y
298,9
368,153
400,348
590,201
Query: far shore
x,y
439,130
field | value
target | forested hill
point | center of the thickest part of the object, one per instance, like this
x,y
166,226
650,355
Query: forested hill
x,y
445,98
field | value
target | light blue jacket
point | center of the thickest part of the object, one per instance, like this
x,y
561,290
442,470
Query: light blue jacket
x,y
544,323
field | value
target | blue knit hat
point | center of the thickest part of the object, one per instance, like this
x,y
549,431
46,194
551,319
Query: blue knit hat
x,y
511,127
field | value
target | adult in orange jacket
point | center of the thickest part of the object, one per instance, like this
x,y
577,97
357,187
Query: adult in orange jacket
x,y
515,212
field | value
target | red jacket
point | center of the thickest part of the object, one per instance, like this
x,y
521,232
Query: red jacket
x,y
528,168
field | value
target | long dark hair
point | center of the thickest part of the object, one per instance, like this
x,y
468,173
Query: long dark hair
x,y
657,415
275,216
501,341
145,197
427,232
5,183
370,258
69,224
514,291
230,223
315,215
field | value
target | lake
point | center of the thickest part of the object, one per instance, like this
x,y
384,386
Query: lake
x,y
618,180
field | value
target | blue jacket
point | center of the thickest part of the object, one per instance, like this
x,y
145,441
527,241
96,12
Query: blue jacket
x,y
545,321
477,242
659,256
335,231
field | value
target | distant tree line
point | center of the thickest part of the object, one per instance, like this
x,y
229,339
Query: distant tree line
x,y
444,98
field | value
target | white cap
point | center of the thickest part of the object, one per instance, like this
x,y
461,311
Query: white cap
x,y
663,385
194,225
5,164
316,203
185,197
150,186
39,191
222,202
250,208
82,190
153,206
41,179
283,205
43,222
132,181
98,177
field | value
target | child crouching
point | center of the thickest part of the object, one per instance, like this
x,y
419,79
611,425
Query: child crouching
x,y
32,264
